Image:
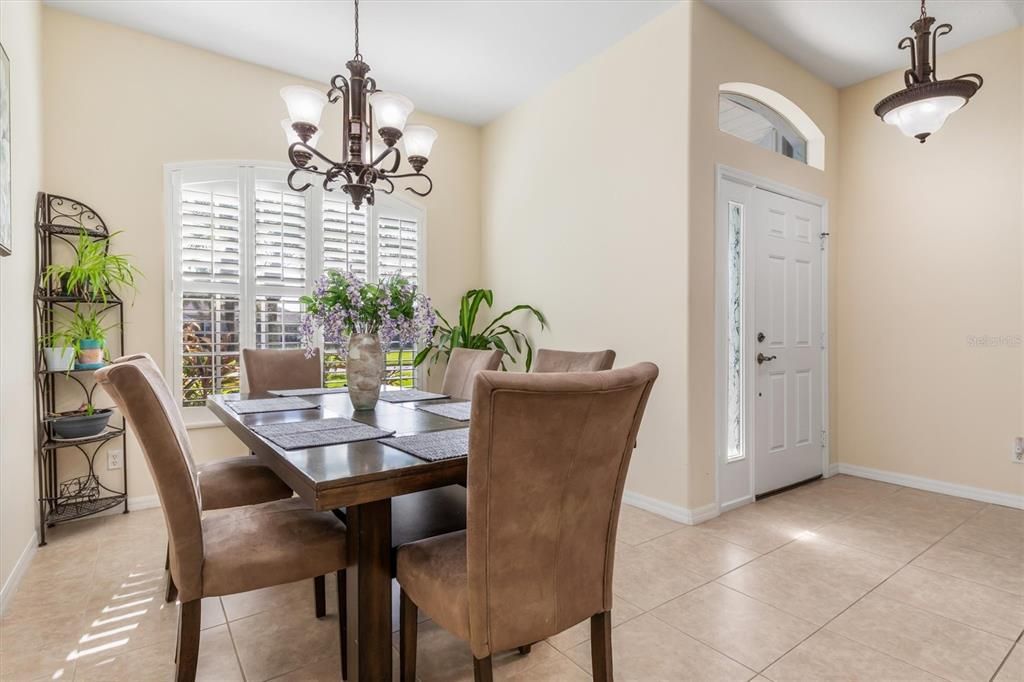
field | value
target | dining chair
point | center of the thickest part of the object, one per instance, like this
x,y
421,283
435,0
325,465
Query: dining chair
x,y
548,456
270,369
548,360
463,366
228,551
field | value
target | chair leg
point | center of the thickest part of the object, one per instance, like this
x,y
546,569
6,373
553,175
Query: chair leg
x,y
407,626
343,623
601,646
482,670
320,596
188,641
525,649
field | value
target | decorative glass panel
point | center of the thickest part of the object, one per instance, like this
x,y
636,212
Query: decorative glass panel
x,y
734,418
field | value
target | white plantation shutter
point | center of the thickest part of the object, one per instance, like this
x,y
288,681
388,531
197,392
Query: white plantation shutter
x,y
398,246
344,234
246,248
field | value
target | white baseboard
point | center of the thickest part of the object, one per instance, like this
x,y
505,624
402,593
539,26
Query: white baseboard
x,y
11,585
931,485
735,504
145,502
690,517
833,469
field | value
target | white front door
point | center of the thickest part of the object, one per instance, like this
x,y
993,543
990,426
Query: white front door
x,y
787,341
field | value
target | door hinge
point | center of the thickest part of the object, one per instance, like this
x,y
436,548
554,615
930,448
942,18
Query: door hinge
x,y
824,438
822,340
823,236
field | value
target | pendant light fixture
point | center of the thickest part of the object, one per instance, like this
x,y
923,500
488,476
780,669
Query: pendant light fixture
x,y
923,106
369,162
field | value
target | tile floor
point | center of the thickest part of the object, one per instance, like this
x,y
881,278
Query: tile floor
x,y
844,579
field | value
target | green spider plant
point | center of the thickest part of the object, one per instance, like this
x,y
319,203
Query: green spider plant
x,y
495,335
94,272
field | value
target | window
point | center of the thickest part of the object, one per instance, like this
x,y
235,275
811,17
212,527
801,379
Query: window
x,y
246,248
753,121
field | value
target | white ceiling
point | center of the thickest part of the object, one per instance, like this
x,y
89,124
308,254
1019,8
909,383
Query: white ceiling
x,y
848,41
470,61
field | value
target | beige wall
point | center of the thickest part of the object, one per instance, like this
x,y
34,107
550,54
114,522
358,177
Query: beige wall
x,y
590,226
121,104
930,255
20,33
723,53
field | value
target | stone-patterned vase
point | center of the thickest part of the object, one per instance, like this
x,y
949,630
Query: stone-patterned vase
x,y
365,370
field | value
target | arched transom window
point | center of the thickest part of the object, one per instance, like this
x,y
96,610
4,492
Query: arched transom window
x,y
756,122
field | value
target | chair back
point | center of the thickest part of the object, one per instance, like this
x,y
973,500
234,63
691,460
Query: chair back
x,y
548,455
136,386
548,360
463,366
269,369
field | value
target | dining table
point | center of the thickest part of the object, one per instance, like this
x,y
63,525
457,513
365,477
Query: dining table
x,y
359,481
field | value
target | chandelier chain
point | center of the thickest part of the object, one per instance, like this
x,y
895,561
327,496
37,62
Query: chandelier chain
x,y
359,55
924,12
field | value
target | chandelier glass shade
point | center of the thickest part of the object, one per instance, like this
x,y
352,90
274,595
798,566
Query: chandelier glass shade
x,y
921,108
373,123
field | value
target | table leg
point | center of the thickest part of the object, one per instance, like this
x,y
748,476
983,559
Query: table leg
x,y
369,591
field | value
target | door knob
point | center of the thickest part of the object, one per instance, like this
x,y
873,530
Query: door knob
x,y
762,358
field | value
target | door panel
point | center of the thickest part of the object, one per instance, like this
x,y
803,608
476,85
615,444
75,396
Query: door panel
x,y
788,384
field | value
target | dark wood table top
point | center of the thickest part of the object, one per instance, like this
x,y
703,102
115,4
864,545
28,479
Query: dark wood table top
x,y
334,476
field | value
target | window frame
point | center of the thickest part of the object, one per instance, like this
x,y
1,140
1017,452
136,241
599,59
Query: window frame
x,y
247,173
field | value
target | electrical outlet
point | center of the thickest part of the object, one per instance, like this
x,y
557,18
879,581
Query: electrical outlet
x,y
1018,450
115,459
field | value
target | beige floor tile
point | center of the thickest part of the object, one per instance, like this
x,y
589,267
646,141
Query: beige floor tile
x,y
153,663
1004,574
328,669
137,622
647,649
939,645
742,628
647,577
878,536
848,482
622,611
297,596
701,553
928,514
996,530
637,526
765,526
985,608
559,669
839,496
828,656
811,579
38,647
1013,666
271,643
443,657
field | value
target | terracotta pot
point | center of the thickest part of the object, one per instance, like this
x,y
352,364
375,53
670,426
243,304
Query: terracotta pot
x,y
365,370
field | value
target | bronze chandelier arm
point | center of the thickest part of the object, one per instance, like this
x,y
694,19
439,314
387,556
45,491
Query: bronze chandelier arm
x,y
936,32
430,183
339,88
300,146
384,155
391,186
910,75
302,188
975,76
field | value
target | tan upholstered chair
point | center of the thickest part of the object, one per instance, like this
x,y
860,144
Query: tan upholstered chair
x,y
463,365
228,551
548,455
268,369
548,360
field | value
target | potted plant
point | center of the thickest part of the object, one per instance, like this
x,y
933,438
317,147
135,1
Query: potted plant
x,y
85,422
495,335
362,319
94,274
58,349
88,337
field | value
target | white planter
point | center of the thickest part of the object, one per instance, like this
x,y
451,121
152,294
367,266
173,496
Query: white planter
x,y
59,359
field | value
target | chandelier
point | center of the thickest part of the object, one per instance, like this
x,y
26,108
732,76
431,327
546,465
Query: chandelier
x,y
924,105
369,162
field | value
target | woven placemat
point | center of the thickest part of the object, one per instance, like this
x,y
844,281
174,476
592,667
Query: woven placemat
x,y
308,391
409,395
456,411
270,405
318,432
434,446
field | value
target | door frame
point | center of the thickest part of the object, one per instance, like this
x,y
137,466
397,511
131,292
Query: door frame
x,y
753,182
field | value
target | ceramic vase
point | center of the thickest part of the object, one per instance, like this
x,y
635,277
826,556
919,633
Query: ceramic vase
x,y
365,370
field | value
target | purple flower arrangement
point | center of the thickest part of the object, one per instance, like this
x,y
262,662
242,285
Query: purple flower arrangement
x,y
342,304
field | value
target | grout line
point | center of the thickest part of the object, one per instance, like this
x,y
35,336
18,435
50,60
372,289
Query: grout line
x,y
234,647
1006,657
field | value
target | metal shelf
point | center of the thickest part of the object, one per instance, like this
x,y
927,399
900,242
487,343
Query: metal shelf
x,y
69,511
109,433
71,371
